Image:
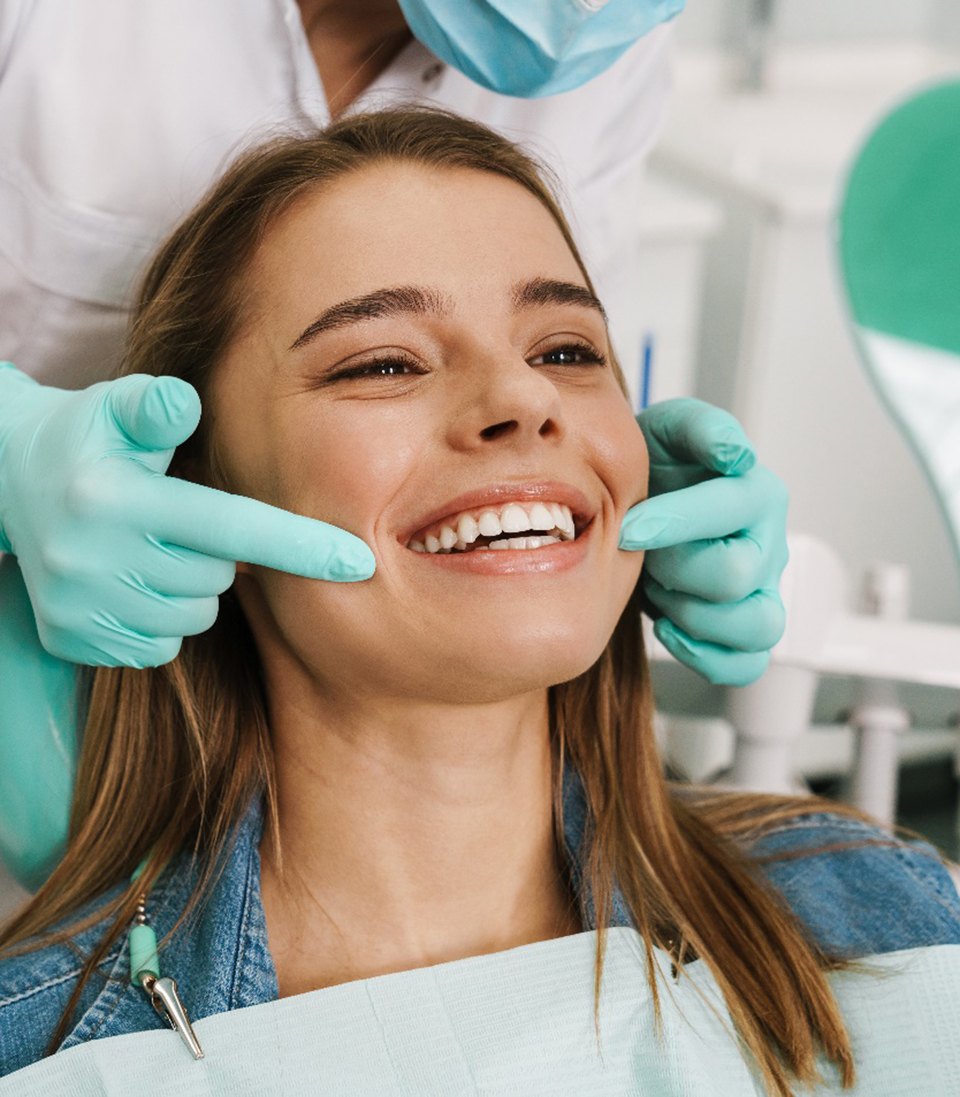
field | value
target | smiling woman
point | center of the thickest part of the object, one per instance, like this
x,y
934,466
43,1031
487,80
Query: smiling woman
x,y
391,329
424,350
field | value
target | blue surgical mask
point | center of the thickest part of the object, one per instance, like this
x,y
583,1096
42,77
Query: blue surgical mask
x,y
531,48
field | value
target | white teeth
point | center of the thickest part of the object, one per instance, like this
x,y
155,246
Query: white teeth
x,y
554,519
514,518
541,518
489,524
468,530
448,537
564,518
524,542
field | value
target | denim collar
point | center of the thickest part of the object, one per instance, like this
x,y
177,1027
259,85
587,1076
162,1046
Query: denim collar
x,y
220,956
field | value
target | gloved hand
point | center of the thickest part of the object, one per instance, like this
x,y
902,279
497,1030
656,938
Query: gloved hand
x,y
120,561
38,739
714,528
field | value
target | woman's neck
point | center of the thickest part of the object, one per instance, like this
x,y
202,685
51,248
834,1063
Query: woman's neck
x,y
410,835
352,43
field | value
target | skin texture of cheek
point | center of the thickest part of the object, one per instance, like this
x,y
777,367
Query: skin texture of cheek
x,y
619,448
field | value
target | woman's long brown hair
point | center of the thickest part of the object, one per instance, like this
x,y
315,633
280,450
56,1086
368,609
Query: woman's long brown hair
x,y
171,756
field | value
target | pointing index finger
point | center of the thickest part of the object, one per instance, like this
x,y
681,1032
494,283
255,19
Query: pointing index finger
x,y
720,507
233,527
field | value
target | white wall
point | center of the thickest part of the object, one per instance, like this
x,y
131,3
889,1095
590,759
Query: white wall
x,y
945,26
804,22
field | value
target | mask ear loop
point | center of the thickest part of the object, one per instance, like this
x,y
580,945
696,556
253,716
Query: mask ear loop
x,y
145,970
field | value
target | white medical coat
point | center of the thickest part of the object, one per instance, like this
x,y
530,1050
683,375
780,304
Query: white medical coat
x,y
115,117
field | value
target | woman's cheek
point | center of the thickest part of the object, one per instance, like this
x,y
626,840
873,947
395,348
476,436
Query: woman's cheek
x,y
345,465
624,453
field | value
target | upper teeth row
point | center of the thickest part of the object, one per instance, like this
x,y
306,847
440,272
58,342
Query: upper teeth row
x,y
463,529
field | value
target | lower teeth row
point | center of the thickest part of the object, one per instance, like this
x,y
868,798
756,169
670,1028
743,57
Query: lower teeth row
x,y
520,543
504,543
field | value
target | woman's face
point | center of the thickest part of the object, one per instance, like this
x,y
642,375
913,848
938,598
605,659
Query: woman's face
x,y
420,362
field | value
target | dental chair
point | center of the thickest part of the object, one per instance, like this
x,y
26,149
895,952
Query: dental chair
x,y
898,245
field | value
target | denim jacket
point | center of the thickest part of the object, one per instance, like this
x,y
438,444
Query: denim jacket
x,y
853,900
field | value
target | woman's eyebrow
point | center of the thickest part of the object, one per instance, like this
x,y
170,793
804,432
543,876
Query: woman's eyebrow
x,y
549,291
419,300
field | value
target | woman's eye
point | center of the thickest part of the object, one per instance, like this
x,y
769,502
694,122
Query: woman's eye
x,y
383,367
570,354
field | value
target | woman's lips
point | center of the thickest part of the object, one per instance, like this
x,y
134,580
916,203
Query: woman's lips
x,y
552,558
496,497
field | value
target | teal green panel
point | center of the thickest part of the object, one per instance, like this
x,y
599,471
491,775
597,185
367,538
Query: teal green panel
x,y
900,222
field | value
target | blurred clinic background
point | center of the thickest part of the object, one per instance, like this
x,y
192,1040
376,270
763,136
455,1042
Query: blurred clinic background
x,y
739,299
736,296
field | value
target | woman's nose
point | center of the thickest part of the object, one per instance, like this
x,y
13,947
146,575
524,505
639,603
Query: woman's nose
x,y
507,401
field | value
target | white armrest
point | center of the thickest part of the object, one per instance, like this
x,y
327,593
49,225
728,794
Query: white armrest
x,y
901,651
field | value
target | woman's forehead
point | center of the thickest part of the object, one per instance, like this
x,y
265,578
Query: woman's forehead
x,y
399,222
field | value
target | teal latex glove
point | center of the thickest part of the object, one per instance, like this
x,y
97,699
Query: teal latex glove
x,y
714,528
120,561
38,747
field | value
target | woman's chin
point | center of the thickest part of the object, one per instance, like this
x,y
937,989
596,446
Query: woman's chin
x,y
507,669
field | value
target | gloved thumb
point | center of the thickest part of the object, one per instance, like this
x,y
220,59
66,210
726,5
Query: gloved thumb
x,y
689,431
155,413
